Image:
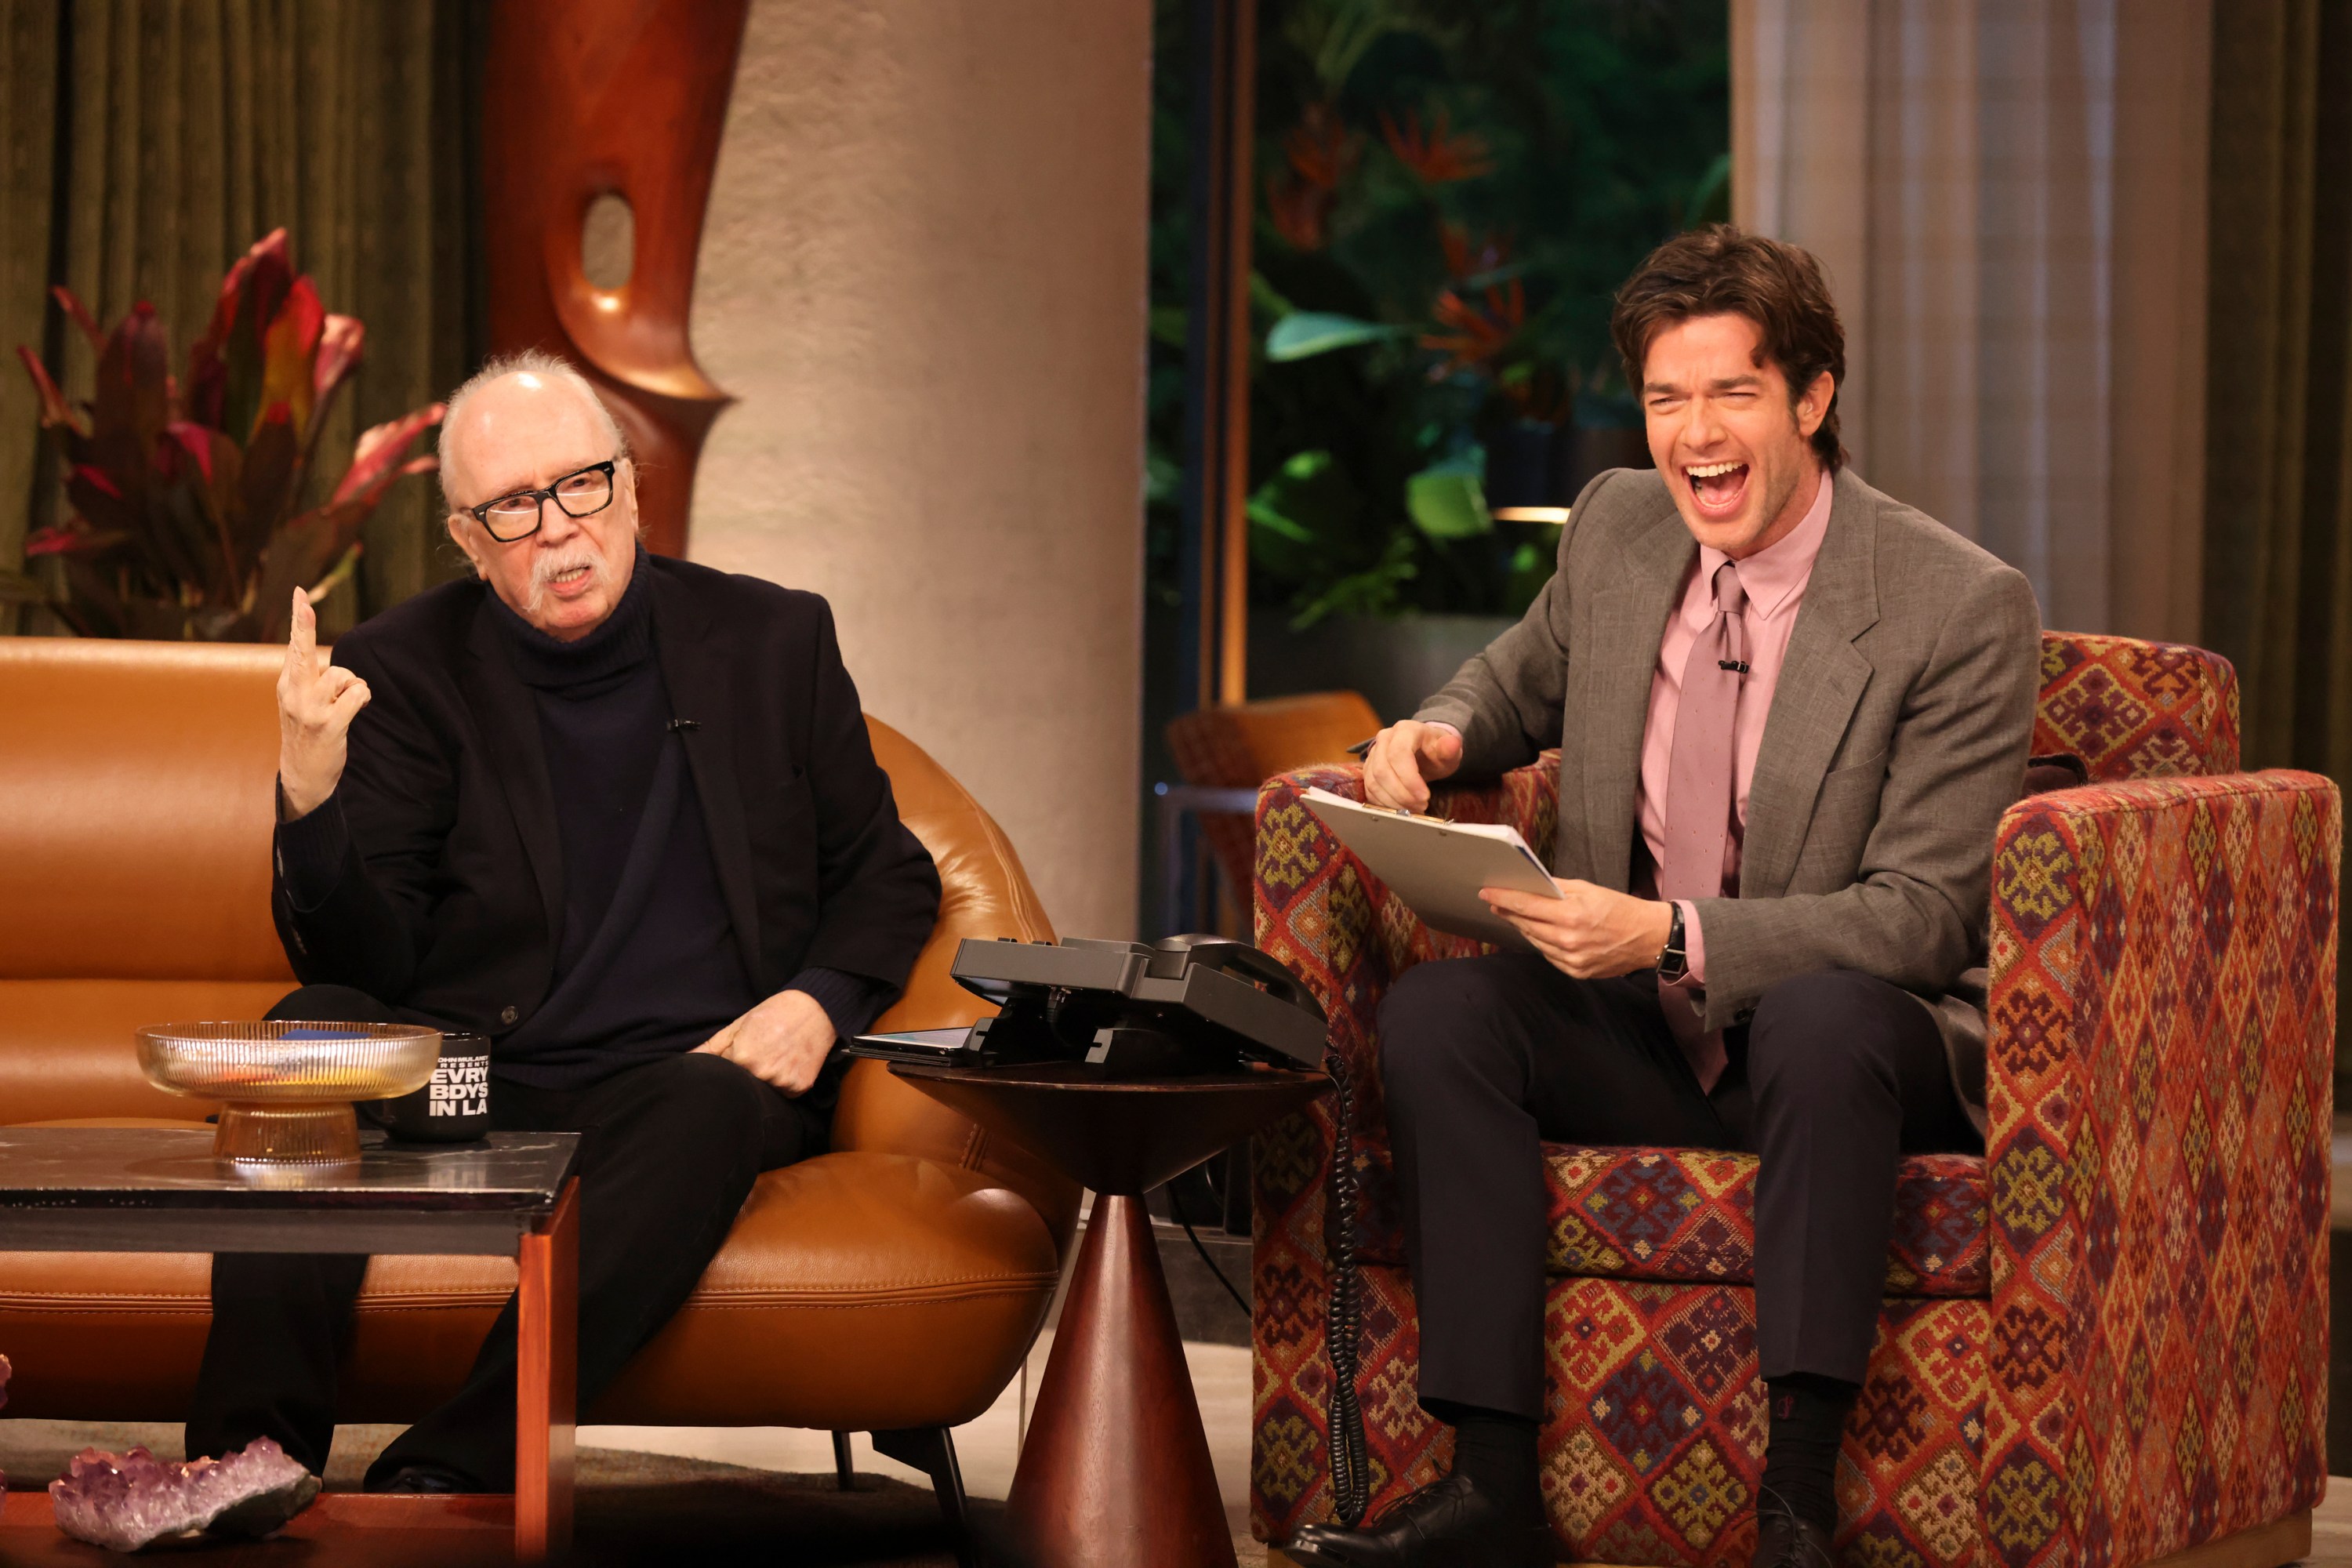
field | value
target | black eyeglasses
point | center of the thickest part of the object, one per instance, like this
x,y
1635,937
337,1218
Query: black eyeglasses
x,y
582,494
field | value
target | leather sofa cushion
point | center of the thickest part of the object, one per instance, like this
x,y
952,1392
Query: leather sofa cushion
x,y
134,858
69,1046
949,1274
1688,1216
135,811
134,851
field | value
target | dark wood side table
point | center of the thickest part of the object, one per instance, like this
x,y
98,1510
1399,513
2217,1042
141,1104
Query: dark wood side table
x,y
1115,1466
159,1189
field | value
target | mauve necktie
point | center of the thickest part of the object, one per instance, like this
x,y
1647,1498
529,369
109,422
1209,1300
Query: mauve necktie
x,y
1699,781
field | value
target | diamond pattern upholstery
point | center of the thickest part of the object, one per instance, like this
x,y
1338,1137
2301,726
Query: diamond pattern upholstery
x,y
2102,1342
1688,1216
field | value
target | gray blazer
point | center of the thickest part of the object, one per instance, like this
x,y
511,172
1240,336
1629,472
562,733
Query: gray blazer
x,y
1898,735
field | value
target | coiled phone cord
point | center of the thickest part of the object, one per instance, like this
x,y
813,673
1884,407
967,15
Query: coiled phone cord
x,y
1344,1322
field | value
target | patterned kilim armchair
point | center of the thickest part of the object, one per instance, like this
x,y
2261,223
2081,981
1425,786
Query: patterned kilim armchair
x,y
2104,1342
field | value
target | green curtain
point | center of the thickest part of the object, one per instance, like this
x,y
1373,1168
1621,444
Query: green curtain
x,y
185,132
2278,543
28,75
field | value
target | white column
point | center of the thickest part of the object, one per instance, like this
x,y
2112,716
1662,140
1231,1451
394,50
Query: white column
x,y
924,275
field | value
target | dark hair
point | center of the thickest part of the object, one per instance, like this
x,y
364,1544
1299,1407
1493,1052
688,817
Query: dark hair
x,y
1721,271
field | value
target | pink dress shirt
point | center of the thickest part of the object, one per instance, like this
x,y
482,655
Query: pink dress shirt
x,y
1774,580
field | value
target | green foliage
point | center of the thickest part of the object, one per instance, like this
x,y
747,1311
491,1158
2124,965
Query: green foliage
x,y
1446,500
1378,590
1303,516
1448,197
1532,560
1303,334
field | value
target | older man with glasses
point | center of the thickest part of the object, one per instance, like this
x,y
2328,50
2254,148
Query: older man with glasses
x,y
615,812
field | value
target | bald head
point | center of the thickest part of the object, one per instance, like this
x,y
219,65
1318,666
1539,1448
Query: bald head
x,y
507,396
525,425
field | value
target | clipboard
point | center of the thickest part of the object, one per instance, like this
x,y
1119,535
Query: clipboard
x,y
1437,867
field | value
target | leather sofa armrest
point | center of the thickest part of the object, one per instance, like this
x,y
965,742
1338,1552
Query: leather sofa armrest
x,y
984,893
878,1112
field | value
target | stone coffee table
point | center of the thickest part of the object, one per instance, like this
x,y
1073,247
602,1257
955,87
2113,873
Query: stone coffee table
x,y
158,1189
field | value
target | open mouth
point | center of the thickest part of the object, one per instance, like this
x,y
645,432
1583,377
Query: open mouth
x,y
570,580
1718,488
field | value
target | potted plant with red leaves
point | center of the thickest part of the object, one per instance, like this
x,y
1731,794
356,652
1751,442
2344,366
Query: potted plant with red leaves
x,y
188,517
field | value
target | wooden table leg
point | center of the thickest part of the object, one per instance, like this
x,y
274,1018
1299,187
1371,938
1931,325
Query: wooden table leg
x,y
1115,1467
546,1365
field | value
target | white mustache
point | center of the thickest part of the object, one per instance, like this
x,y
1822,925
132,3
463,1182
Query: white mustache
x,y
571,558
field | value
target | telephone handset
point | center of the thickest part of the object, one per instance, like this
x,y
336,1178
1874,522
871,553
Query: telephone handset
x,y
1236,957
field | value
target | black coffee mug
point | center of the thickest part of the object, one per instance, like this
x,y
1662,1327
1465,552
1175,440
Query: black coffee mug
x,y
455,1108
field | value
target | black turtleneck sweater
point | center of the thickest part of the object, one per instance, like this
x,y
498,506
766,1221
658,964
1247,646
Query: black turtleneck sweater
x,y
647,963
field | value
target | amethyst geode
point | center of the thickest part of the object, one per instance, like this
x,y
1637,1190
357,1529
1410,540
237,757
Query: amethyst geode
x,y
127,1503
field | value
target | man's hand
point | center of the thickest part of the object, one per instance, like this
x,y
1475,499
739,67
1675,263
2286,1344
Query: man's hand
x,y
782,1041
1590,932
316,704
1406,758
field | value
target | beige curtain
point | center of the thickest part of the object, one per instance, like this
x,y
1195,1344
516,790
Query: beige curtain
x,y
2009,198
196,127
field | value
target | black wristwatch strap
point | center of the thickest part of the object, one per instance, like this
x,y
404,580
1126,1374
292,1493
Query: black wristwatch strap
x,y
1673,962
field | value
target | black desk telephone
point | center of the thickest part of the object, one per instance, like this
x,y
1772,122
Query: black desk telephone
x,y
1185,1005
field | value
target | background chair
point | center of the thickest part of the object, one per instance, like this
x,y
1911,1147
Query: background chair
x,y
2105,1341
892,1286
1225,752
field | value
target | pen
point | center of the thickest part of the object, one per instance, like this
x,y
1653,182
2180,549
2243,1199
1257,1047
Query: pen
x,y
1361,749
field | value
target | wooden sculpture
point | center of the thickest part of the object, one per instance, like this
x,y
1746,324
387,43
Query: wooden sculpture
x,y
583,98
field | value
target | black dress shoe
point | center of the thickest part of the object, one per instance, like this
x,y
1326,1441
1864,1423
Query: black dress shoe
x,y
421,1478
1784,1541
1446,1525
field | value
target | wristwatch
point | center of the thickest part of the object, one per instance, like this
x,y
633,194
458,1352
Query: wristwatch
x,y
1673,962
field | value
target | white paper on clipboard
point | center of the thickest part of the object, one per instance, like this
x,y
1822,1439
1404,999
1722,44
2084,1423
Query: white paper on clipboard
x,y
1437,867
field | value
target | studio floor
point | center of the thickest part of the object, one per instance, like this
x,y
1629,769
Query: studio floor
x,y
723,1495
688,1494
701,1494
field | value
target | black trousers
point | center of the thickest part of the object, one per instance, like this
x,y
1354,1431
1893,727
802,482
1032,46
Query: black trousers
x,y
667,1154
1483,1059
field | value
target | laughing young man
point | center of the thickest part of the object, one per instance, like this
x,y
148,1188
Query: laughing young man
x,y
1790,711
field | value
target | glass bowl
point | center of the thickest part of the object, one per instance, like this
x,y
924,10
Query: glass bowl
x,y
287,1088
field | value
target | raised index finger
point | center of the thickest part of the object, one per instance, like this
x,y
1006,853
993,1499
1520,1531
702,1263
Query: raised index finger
x,y
302,645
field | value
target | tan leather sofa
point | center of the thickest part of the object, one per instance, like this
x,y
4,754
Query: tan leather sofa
x,y
893,1284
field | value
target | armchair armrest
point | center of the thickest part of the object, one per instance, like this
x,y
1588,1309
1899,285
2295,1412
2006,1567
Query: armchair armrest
x,y
1339,930
2159,1082
1336,926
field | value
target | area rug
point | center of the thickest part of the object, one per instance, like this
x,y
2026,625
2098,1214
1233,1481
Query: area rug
x,y
633,1509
